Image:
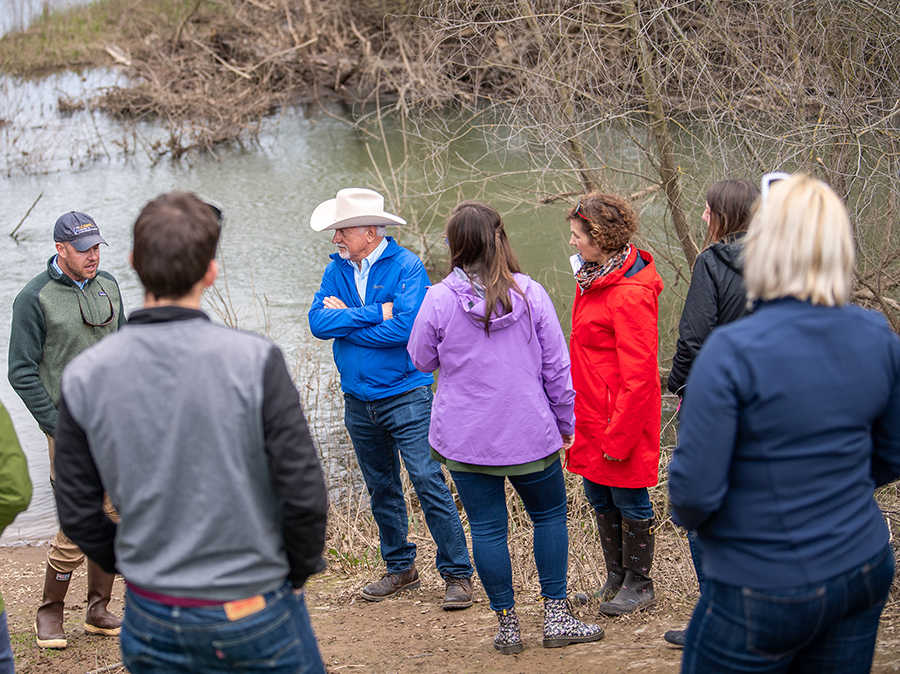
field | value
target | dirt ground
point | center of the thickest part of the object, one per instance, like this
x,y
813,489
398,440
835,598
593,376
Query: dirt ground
x,y
409,634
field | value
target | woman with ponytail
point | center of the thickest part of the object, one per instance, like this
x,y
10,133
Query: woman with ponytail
x,y
503,410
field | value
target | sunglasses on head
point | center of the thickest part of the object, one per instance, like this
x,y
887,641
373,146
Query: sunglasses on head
x,y
766,183
217,211
578,210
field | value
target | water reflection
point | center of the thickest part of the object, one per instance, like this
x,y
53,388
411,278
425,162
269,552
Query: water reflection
x,y
272,261
18,14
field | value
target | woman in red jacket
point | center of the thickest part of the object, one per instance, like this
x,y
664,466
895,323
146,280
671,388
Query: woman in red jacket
x,y
617,405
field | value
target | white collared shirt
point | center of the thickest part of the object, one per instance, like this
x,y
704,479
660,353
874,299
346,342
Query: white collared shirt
x,y
361,271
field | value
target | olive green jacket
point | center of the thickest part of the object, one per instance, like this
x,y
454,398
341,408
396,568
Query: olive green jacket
x,y
49,329
15,485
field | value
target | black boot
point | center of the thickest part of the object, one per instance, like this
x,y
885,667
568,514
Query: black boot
x,y
637,556
610,527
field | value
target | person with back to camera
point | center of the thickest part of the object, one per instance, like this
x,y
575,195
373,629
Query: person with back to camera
x,y
201,442
617,407
716,296
15,495
791,420
504,408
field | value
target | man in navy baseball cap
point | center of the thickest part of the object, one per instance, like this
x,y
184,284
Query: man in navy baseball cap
x,y
79,229
62,311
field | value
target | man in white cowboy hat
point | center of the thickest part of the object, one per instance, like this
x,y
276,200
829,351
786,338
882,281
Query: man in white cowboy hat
x,y
370,294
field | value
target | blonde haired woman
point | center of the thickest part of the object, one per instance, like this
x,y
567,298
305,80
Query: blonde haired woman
x,y
791,420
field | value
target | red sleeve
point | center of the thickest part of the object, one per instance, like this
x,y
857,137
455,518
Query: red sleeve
x,y
635,325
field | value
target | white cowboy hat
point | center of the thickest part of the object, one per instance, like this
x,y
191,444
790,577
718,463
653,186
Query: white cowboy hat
x,y
353,207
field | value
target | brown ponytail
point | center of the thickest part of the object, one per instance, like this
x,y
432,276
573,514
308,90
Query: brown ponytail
x,y
479,246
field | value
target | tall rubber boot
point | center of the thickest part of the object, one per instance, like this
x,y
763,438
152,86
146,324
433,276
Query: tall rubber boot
x,y
610,528
636,592
97,619
48,623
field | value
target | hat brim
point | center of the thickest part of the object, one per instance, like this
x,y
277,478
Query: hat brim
x,y
323,218
83,243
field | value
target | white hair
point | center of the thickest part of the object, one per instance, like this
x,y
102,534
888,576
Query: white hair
x,y
380,230
799,244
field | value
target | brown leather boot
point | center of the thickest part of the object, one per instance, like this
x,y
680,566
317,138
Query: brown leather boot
x,y
458,593
391,583
97,619
609,525
48,623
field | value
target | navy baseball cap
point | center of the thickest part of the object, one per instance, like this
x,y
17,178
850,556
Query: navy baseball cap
x,y
79,229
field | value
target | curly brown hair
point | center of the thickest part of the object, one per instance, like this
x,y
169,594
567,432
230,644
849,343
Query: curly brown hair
x,y
609,220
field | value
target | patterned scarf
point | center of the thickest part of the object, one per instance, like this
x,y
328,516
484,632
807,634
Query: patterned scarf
x,y
591,271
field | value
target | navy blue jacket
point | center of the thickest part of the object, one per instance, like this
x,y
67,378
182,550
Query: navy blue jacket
x,y
791,420
370,353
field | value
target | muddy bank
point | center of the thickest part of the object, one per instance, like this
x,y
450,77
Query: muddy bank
x,y
407,634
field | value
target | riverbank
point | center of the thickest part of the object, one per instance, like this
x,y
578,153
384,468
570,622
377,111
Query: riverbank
x,y
407,634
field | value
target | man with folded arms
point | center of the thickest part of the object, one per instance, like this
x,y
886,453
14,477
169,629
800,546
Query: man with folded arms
x,y
370,294
198,436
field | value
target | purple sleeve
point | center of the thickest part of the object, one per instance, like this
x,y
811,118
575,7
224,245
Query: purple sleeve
x,y
423,340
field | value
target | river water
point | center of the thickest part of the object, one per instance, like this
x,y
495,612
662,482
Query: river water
x,y
272,260
17,14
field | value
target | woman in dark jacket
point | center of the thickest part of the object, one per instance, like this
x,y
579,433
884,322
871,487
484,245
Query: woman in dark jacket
x,y
716,295
791,421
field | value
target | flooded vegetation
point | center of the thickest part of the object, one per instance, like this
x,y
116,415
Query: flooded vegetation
x,y
271,106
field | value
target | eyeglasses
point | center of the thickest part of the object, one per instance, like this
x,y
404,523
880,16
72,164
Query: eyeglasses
x,y
766,182
81,309
578,210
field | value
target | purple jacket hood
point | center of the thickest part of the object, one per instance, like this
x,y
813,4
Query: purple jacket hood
x,y
474,307
502,399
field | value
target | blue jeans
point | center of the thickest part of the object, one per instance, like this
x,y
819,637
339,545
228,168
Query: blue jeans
x,y
383,431
160,639
544,496
696,557
824,628
7,665
633,502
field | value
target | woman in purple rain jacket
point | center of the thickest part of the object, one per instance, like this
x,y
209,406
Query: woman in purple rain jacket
x,y
503,410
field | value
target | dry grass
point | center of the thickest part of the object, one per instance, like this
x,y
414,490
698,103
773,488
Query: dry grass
x,y
352,542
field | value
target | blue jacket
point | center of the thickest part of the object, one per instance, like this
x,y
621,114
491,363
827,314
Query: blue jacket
x,y
791,420
370,353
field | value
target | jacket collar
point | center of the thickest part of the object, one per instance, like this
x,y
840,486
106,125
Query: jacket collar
x,y
619,274
62,278
165,314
